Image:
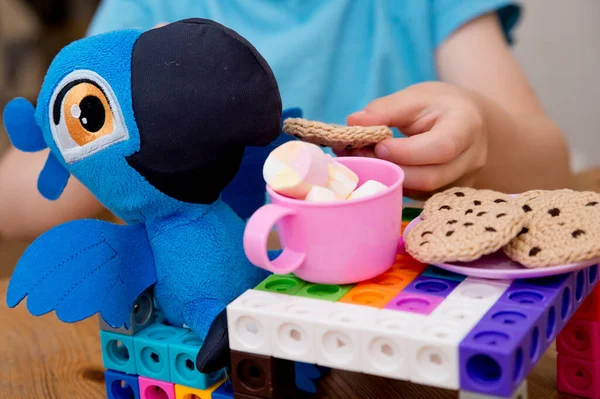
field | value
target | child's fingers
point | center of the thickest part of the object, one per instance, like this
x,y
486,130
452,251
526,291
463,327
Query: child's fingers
x,y
448,138
399,109
429,178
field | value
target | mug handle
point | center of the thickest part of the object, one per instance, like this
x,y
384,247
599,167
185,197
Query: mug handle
x,y
256,235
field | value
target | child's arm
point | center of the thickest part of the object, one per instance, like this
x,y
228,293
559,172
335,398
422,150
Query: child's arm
x,y
483,128
24,213
123,14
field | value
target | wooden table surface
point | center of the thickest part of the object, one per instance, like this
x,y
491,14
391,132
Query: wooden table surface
x,y
44,358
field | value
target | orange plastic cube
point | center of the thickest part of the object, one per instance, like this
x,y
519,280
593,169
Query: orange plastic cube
x,y
368,296
379,291
391,280
183,392
405,262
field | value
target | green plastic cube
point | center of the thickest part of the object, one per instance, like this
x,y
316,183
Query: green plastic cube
x,y
327,292
281,284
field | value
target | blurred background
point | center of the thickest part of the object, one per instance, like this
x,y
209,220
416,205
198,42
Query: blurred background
x,y
557,43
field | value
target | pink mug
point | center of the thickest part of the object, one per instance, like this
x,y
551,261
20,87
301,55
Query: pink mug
x,y
338,242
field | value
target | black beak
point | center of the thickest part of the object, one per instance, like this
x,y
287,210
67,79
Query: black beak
x,y
201,93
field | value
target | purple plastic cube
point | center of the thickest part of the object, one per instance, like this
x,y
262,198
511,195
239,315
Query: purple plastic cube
x,y
493,359
556,281
431,286
592,277
581,288
414,303
529,320
553,296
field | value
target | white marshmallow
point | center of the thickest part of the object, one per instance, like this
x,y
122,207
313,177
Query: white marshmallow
x,y
320,194
293,168
342,181
370,187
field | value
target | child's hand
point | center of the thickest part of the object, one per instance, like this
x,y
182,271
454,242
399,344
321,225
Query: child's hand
x,y
447,137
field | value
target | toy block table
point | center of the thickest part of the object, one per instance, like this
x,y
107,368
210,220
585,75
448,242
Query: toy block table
x,y
414,322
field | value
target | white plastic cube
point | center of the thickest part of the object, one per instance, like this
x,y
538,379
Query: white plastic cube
x,y
338,336
385,343
460,312
292,328
248,320
433,354
479,292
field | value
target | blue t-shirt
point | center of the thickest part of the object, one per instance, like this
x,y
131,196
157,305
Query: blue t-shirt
x,y
332,57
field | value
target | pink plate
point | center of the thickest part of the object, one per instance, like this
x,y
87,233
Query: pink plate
x,y
498,266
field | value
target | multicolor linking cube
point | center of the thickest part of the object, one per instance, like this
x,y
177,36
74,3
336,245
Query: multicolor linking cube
x,y
151,360
415,322
419,323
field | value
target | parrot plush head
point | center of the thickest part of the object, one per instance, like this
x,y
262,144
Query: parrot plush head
x,y
150,121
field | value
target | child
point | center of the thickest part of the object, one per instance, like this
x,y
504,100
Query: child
x,y
439,70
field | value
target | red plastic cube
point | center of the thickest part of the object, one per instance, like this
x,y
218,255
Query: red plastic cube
x,y
590,308
578,377
580,339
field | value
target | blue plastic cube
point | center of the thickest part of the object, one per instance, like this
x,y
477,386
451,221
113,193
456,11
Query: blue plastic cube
x,y
436,272
493,360
121,386
182,363
151,348
118,352
225,391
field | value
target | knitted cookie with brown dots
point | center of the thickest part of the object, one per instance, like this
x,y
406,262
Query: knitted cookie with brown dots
x,y
462,225
335,136
464,197
560,227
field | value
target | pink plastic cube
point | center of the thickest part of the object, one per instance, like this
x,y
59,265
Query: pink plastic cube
x,y
580,339
153,389
414,303
578,377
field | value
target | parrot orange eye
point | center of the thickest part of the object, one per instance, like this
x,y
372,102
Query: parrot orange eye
x,y
87,113
85,116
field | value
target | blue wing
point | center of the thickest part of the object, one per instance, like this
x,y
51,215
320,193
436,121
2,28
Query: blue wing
x,y
246,192
84,267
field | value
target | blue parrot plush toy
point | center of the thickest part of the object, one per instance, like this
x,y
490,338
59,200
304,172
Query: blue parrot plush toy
x,y
156,125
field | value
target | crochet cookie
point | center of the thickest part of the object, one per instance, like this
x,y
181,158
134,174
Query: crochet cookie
x,y
464,197
559,227
466,231
335,136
